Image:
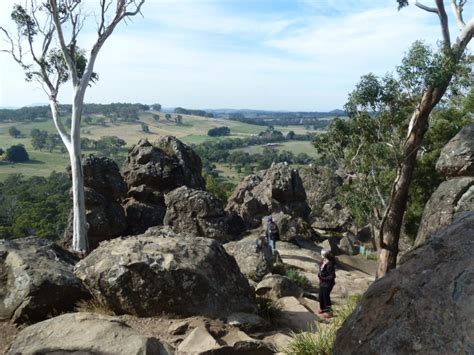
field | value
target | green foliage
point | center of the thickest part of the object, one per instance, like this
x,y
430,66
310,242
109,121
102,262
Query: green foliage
x,y
269,310
299,279
222,190
369,144
218,131
14,132
145,128
321,340
34,206
17,154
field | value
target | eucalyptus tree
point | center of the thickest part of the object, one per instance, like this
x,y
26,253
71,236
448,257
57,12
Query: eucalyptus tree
x,y
45,45
432,88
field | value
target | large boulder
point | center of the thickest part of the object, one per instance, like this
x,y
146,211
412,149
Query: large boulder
x,y
457,157
150,171
292,228
200,213
162,271
424,306
253,255
277,286
452,198
104,189
85,333
277,189
36,280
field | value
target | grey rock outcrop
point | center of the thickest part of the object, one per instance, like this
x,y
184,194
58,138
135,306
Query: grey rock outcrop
x,y
202,214
150,171
277,189
278,286
452,198
253,255
422,307
104,189
292,228
456,195
457,157
36,280
85,333
166,272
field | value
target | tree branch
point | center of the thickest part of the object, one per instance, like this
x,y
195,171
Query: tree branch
x,y
457,9
443,19
426,8
62,43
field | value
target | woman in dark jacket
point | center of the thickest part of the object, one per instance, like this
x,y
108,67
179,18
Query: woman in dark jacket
x,y
327,279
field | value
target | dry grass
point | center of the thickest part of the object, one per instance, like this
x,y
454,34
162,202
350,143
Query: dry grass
x,y
93,306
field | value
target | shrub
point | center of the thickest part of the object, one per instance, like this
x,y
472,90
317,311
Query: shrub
x,y
268,309
299,279
95,306
321,341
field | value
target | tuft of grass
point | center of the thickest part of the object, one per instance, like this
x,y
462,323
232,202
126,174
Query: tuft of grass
x,y
269,309
299,279
321,340
279,269
94,306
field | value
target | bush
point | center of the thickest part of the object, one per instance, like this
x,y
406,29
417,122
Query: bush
x,y
14,132
17,154
268,309
301,280
321,341
94,306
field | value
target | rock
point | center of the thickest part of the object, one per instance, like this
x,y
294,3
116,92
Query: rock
x,y
199,341
246,321
150,171
457,157
104,189
165,272
346,246
200,213
36,280
452,198
277,286
292,228
234,342
333,217
278,189
295,316
85,333
423,306
278,341
332,244
253,255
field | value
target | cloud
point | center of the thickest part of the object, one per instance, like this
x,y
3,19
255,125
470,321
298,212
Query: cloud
x,y
205,54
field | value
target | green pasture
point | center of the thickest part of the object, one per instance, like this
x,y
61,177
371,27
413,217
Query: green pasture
x,y
193,131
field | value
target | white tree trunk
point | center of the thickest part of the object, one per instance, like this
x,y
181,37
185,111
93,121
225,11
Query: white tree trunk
x,y
79,241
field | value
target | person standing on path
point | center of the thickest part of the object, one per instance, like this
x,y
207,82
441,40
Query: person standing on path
x,y
272,234
327,280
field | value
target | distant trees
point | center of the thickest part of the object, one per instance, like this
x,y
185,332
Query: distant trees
x,y
42,139
145,128
179,120
14,132
218,131
185,111
155,107
155,117
34,206
1,151
168,117
17,154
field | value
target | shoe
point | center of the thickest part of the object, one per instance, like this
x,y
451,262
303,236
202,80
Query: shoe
x,y
320,311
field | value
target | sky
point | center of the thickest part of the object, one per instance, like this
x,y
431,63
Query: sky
x,y
295,55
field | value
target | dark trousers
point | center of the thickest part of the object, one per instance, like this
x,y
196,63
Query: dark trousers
x,y
325,296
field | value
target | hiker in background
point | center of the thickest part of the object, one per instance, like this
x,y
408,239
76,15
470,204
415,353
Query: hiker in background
x,y
273,234
327,279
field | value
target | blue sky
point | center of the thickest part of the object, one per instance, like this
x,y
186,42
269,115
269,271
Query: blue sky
x,y
263,54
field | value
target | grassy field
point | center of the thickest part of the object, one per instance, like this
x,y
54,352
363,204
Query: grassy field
x,y
193,131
